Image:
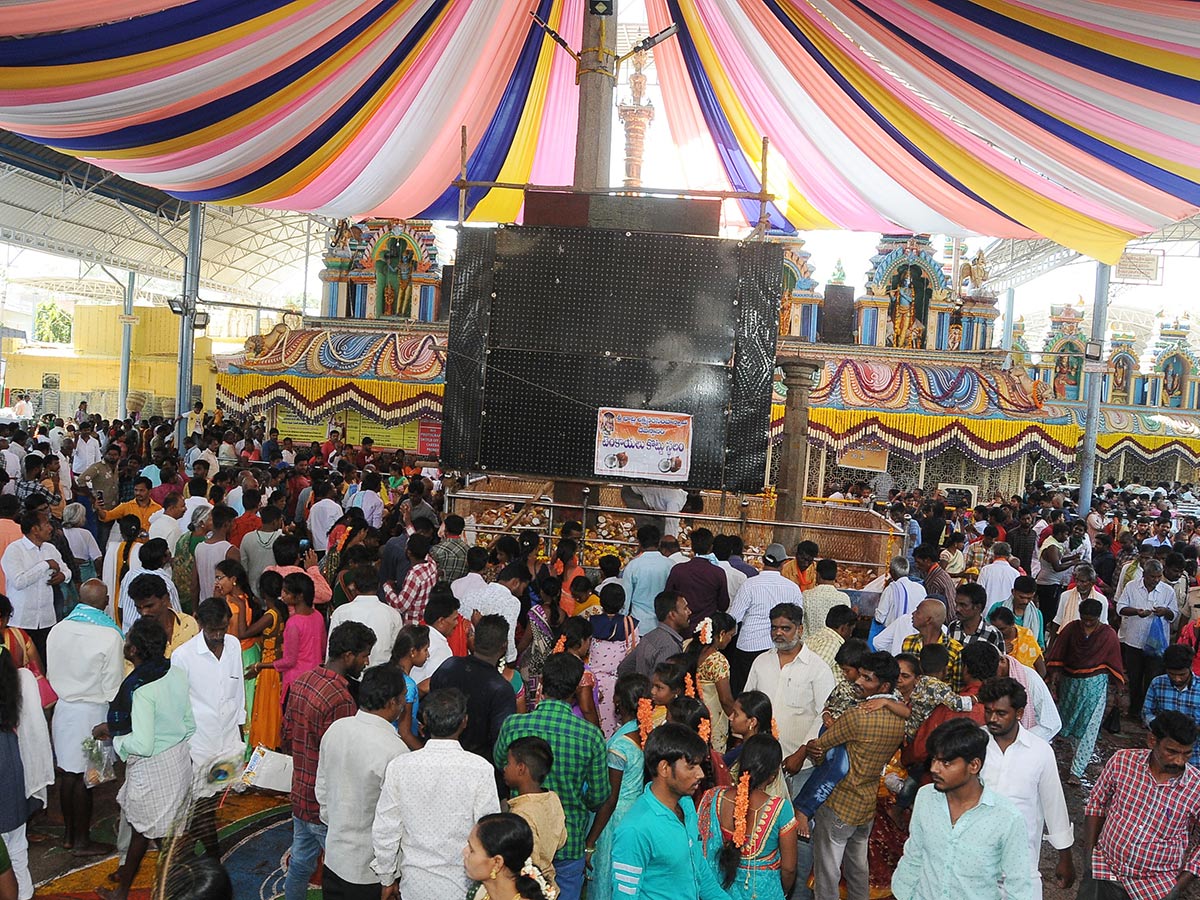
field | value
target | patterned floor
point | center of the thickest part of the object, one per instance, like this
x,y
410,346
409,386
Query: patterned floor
x,y
255,835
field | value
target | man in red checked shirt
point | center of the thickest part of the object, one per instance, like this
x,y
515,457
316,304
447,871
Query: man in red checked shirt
x,y
1140,815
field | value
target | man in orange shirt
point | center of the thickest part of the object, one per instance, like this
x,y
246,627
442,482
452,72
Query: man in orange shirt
x,y
802,569
10,530
141,505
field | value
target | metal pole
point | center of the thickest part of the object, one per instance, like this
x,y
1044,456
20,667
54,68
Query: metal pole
x,y
126,349
304,302
187,322
1010,299
1091,422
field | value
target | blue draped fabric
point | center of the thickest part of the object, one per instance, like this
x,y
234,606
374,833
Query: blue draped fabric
x,y
145,34
738,170
218,110
313,143
1163,180
876,116
491,152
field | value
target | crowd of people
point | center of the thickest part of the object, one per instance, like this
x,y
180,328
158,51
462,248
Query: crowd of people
x,y
500,722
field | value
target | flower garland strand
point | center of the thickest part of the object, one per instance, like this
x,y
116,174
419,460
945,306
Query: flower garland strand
x,y
741,806
774,728
561,646
705,730
689,686
705,630
645,717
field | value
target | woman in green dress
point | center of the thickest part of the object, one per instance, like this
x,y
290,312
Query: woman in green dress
x,y
749,836
631,695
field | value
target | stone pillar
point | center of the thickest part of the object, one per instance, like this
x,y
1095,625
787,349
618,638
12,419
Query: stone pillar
x,y
593,141
793,452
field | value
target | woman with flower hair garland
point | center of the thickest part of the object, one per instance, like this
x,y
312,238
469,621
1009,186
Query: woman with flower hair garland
x,y
690,711
498,857
713,635
749,836
576,639
636,713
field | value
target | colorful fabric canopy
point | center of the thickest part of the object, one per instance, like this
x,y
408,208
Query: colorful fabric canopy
x,y
1077,120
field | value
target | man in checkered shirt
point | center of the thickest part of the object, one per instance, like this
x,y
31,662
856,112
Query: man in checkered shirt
x,y
1139,817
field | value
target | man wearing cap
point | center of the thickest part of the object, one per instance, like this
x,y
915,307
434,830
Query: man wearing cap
x,y
751,609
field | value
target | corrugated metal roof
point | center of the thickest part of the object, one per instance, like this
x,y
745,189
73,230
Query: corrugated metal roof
x,y
60,205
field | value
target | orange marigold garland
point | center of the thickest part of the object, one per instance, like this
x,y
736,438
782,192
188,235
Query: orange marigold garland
x,y
705,730
741,806
689,686
705,631
561,646
774,728
645,717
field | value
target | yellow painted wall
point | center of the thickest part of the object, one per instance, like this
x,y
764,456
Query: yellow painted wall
x,y
91,368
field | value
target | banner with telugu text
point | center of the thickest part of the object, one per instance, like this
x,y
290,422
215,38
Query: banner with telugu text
x,y
643,443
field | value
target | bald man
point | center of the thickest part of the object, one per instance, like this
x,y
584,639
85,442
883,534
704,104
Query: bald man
x,y
928,618
85,663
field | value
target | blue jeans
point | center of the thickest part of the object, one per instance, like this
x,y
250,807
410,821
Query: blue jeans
x,y
804,853
823,780
308,842
569,876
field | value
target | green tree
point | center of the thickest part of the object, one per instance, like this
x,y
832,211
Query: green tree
x,y
51,324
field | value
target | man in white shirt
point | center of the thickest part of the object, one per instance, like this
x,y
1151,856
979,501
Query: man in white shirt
x,y
798,683
441,615
501,598
325,511
167,523
473,581
213,663
997,577
354,755
1143,600
32,568
722,549
415,851
56,435
150,558
1022,767
12,461
1068,604
85,664
891,639
87,451
901,596
367,608
751,609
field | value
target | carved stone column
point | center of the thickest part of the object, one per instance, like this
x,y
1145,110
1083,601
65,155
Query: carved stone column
x,y
793,452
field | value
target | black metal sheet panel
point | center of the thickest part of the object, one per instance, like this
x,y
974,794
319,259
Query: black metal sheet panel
x,y
470,305
619,293
540,409
760,289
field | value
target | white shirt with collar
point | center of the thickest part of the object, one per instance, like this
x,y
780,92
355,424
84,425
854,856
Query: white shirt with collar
x,y
355,753
55,436
467,585
997,579
384,621
128,608
320,521
733,578
86,453
441,776
26,574
751,607
166,527
798,692
439,652
1135,629
496,599
85,663
218,697
891,639
899,598
1027,774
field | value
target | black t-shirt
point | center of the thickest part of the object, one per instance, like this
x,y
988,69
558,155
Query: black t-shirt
x,y
490,700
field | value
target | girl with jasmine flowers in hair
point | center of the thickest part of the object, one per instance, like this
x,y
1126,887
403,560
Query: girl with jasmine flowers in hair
x,y
711,666
498,856
749,836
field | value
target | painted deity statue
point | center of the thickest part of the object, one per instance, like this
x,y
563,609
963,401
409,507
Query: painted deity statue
x,y
394,270
904,305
